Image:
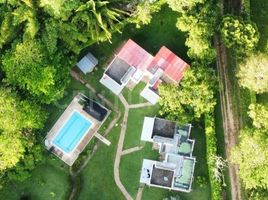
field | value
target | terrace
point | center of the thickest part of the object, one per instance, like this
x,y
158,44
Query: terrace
x,y
67,139
175,171
161,177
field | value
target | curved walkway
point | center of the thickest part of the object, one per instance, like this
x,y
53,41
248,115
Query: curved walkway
x,y
120,146
120,150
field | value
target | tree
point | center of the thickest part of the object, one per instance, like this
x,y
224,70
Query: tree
x,y
253,73
17,118
10,156
93,21
7,30
259,115
192,98
252,157
258,194
183,5
144,11
60,9
199,23
28,66
240,35
32,156
25,15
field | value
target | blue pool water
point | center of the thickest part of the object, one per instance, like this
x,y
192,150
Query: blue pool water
x,y
72,132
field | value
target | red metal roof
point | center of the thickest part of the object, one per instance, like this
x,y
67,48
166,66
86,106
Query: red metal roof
x,y
135,55
172,65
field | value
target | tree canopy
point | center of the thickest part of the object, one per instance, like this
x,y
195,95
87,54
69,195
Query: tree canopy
x,y
259,115
183,5
29,67
240,35
17,118
199,21
192,98
252,157
253,73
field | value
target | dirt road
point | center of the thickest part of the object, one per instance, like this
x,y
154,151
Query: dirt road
x,y
229,115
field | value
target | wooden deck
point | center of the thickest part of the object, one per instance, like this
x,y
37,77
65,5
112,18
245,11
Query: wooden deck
x,y
69,158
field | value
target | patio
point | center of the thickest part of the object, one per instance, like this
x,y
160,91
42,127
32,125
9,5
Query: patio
x,y
75,105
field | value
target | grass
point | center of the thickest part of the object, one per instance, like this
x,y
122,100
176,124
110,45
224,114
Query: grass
x,y
133,162
49,181
133,96
97,178
135,123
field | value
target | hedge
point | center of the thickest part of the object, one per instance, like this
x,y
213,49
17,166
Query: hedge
x,y
211,147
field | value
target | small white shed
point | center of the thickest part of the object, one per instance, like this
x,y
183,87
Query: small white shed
x,y
87,63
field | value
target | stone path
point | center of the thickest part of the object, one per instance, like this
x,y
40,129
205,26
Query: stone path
x,y
103,139
140,105
139,194
131,150
120,150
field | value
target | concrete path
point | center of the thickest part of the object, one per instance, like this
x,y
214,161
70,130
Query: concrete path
x,y
131,150
140,105
120,149
103,139
139,194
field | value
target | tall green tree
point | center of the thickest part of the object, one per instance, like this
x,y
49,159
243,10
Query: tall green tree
x,y
251,155
28,66
17,118
192,98
259,115
183,5
199,22
253,73
144,11
240,35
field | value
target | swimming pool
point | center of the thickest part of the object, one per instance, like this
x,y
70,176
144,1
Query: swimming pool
x,y
72,132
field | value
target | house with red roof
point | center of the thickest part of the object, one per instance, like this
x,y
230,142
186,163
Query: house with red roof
x,y
133,64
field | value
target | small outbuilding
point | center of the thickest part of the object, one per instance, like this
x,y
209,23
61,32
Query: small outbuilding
x,y
87,63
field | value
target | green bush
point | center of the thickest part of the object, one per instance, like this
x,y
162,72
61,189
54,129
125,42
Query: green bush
x,y
211,146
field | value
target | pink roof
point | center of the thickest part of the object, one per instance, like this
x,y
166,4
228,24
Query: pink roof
x,y
172,65
135,55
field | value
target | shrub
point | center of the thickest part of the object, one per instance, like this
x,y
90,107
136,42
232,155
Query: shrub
x,y
211,146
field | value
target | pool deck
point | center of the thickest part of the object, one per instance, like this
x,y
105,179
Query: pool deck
x,y
69,158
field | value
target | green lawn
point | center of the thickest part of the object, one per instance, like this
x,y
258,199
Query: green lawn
x,y
97,179
133,96
135,123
